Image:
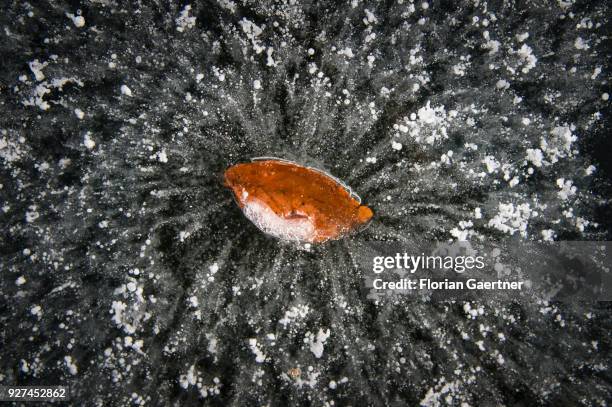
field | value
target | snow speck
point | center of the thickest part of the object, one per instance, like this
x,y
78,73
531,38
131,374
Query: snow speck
x,y
535,156
191,378
20,281
522,37
32,214
257,84
79,113
36,310
78,21
260,357
316,344
512,218
185,20
396,146
548,235
193,301
36,67
88,142
491,164
125,90
347,52
567,188
526,54
580,44
590,170
72,367
502,84
605,96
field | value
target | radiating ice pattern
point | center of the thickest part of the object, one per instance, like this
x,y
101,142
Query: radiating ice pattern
x,y
129,272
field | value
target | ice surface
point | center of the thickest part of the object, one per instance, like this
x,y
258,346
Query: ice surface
x,y
128,271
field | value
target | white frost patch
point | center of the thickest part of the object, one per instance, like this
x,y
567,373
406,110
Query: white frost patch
x,y
32,214
502,84
72,367
185,20
535,156
78,21
559,143
228,5
44,88
567,189
441,394
193,301
396,146
459,69
511,218
491,164
297,312
310,379
580,44
526,54
513,182
269,60
20,281
491,45
36,310
347,52
162,157
79,113
189,379
253,31
117,308
212,344
428,125
125,90
257,84
432,115
548,235
522,37
36,67
218,74
37,97
260,357
370,18
213,268
88,141
316,344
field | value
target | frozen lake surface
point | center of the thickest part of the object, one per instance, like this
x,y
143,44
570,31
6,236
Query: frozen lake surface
x,y
128,271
